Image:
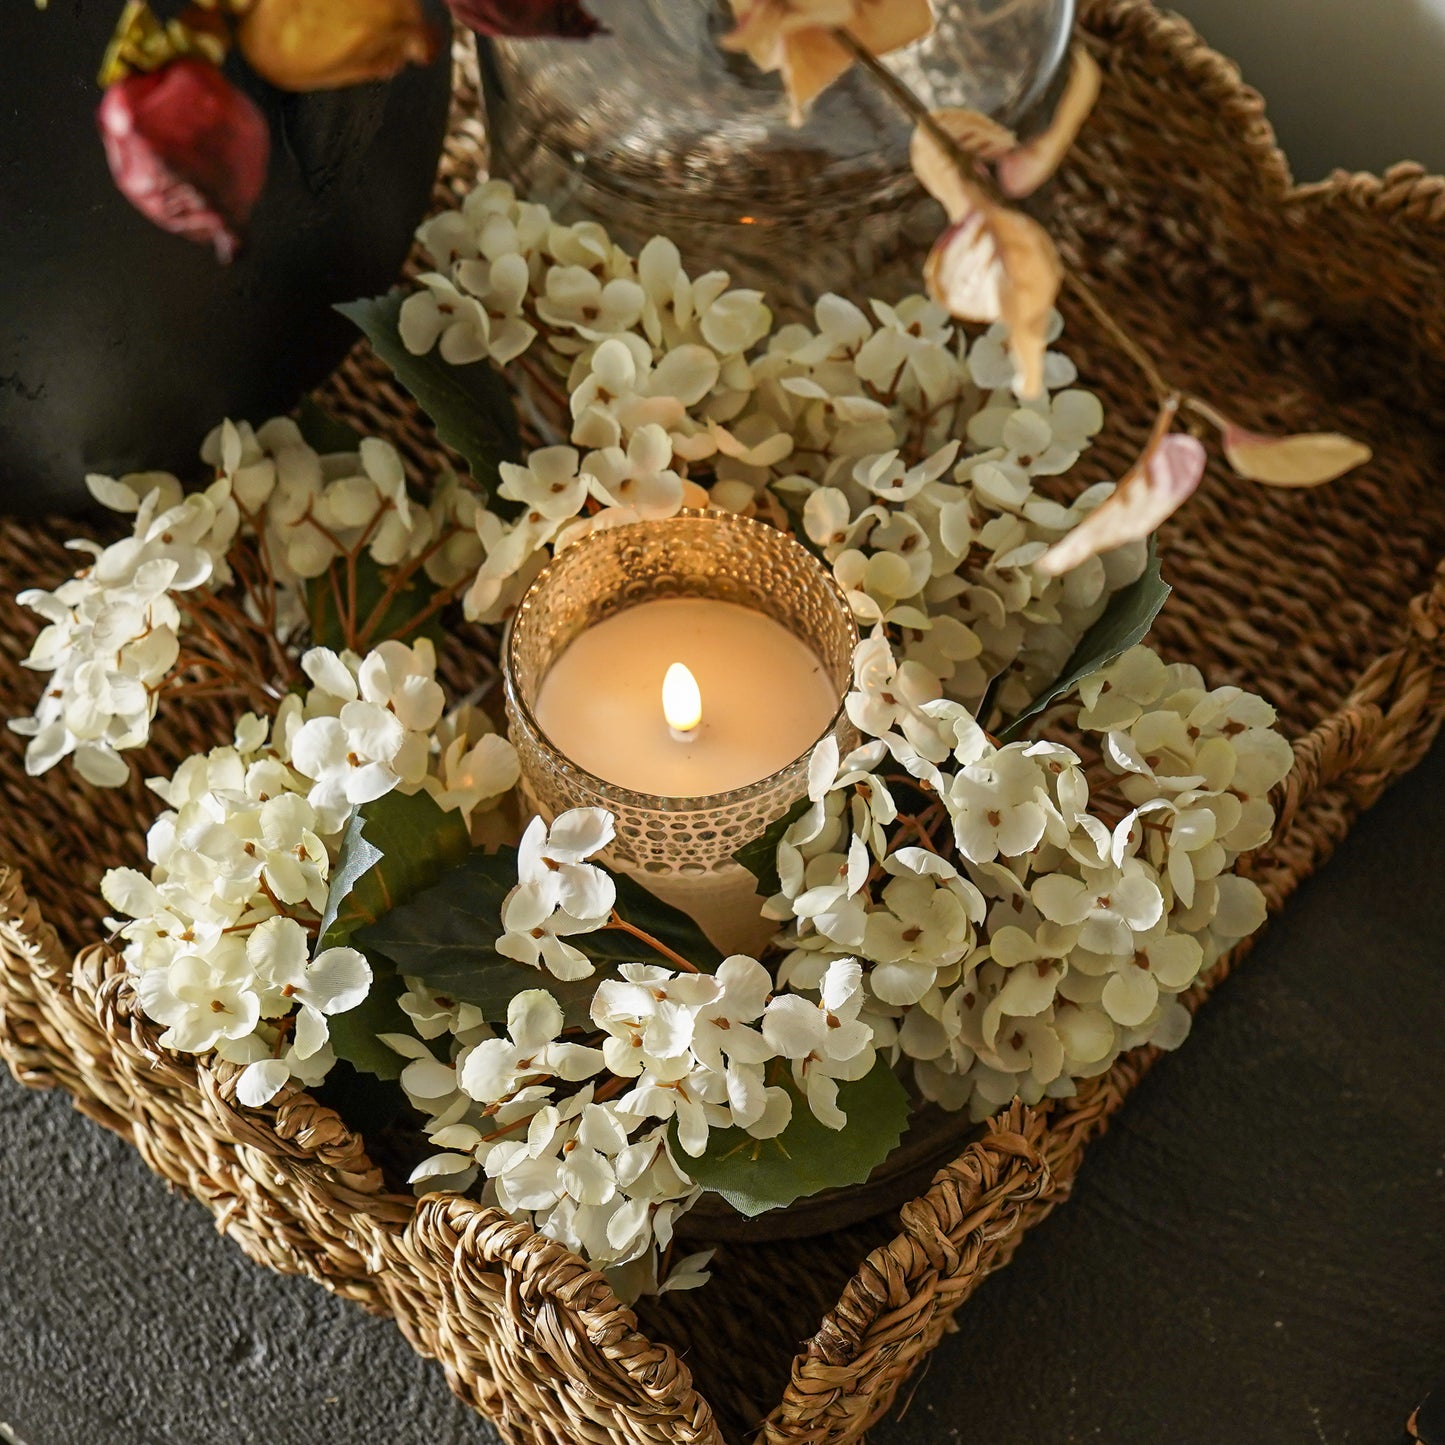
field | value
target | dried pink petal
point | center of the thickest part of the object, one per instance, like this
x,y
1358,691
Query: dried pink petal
x,y
994,264
1306,459
187,150
1022,171
1157,485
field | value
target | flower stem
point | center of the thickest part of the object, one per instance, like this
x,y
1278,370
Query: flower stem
x,y
1162,388
909,103
618,922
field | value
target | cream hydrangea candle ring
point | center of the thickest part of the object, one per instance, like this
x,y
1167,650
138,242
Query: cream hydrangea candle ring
x,y
764,635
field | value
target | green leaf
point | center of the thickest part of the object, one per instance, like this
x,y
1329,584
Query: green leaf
x,y
447,936
1124,623
354,1033
755,1175
470,406
366,1102
760,857
323,432
323,605
391,850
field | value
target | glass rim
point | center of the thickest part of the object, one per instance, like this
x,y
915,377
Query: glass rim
x,y
673,802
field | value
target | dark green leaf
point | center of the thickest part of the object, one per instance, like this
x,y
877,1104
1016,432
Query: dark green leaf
x,y
755,1175
760,857
447,937
323,432
326,594
354,1034
471,406
1124,623
367,1103
391,849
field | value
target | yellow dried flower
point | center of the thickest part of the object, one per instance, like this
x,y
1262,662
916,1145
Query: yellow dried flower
x,y
324,44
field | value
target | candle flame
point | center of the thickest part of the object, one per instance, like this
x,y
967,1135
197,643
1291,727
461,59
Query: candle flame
x,y
681,700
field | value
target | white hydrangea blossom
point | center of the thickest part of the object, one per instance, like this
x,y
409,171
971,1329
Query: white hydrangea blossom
x,y
112,632
899,442
1038,932
218,934
600,1172
120,632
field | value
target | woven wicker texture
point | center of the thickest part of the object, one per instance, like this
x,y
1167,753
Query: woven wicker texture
x,y
1291,309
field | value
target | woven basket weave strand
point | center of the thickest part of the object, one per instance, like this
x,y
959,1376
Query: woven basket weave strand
x,y
1292,309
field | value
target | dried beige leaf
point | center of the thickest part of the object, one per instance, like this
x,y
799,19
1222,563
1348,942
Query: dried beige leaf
x,y
795,37
1156,486
975,133
994,264
1023,170
1306,459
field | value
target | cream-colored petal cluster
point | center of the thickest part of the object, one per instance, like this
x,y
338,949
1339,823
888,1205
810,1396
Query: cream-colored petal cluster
x,y
1047,926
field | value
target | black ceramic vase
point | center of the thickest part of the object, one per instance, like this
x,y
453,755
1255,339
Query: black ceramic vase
x,y
121,346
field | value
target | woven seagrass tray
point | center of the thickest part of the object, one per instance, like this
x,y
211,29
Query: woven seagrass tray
x,y
1291,308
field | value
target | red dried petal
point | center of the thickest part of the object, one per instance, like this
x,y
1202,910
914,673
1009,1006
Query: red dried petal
x,y
525,19
187,150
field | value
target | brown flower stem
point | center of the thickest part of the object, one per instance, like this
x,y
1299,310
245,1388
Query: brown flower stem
x,y
399,578
618,922
610,1089
1162,388
544,383
443,599
909,103
1202,408
196,605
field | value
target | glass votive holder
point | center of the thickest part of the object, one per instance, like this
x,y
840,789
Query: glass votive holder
x,y
680,848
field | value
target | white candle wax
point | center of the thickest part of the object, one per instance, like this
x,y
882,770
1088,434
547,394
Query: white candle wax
x,y
766,699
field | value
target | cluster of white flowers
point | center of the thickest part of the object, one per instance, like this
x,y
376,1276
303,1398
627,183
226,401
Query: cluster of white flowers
x,y
310,508
901,444
1020,934
683,1050
120,630
219,933
112,632
1002,919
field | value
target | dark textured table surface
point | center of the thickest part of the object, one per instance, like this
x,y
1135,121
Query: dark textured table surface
x,y
1254,1254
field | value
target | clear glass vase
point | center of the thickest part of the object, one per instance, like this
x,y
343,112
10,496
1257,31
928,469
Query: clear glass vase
x,y
654,129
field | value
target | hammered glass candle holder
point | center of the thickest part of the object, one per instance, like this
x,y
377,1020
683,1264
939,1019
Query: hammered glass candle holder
x,y
696,554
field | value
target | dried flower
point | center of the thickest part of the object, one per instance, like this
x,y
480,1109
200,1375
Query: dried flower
x,y
1157,485
1304,460
324,44
1023,170
187,150
524,19
796,37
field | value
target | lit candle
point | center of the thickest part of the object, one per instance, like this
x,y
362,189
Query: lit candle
x,y
681,702
748,697
679,674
